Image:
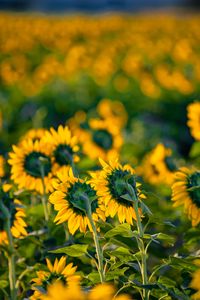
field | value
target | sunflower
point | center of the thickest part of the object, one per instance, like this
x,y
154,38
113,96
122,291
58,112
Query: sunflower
x,y
193,112
58,272
186,191
111,185
79,126
195,283
63,147
104,139
28,161
108,109
68,200
73,291
2,164
34,134
17,214
158,166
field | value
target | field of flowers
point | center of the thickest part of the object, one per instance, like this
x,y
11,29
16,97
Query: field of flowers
x,y
99,157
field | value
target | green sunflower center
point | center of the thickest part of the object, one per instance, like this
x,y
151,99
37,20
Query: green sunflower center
x,y
33,164
194,185
9,203
53,277
76,194
117,184
63,155
170,164
103,139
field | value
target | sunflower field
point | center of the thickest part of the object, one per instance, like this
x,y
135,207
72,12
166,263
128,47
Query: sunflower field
x,y
99,157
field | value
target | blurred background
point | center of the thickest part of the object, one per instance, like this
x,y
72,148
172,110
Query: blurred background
x,y
91,5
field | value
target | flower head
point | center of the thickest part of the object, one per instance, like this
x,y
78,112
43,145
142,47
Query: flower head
x,y
69,200
193,112
17,214
186,192
111,184
30,161
58,272
195,283
2,166
34,134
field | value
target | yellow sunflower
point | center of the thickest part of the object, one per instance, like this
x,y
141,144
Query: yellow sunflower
x,y
17,213
114,110
111,184
193,112
104,139
57,291
186,191
79,126
63,147
28,161
58,272
195,283
34,134
158,166
68,200
2,164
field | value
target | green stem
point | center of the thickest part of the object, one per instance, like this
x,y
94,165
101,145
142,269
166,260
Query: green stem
x,y
140,242
44,195
11,253
96,241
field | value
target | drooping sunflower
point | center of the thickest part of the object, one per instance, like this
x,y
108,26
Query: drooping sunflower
x,y
2,165
17,213
63,147
58,272
34,134
104,139
186,192
73,291
111,184
68,200
195,283
114,110
158,166
30,162
193,113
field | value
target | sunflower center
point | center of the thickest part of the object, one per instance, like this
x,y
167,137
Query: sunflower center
x,y
169,163
53,277
9,203
194,184
63,155
33,164
117,184
103,139
76,194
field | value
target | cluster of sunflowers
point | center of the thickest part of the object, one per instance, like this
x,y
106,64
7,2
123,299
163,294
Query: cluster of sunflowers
x,y
120,51
107,240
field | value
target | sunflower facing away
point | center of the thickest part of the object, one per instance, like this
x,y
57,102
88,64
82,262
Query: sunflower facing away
x,y
193,112
186,191
58,272
79,126
63,147
158,166
34,134
195,283
17,213
27,162
111,184
58,291
104,139
68,200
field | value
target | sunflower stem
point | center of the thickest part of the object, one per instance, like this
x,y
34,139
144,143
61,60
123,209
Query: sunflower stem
x,y
44,195
96,241
140,242
11,253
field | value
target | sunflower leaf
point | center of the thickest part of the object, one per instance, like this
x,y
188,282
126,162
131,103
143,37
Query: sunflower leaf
x,y
122,229
73,250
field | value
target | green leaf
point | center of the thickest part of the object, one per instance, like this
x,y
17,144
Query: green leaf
x,y
94,277
3,284
73,250
116,273
164,237
195,150
167,281
122,229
